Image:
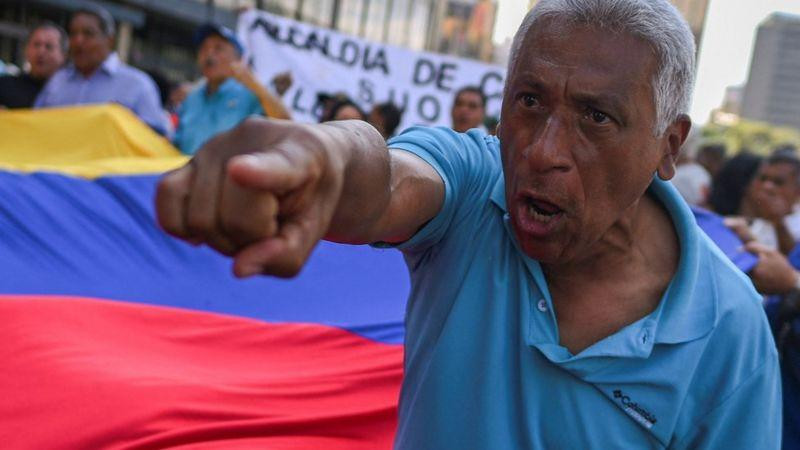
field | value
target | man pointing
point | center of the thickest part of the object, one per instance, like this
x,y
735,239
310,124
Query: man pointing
x,y
562,294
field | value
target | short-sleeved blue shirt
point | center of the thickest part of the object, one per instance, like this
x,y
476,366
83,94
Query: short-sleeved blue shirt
x,y
202,116
483,364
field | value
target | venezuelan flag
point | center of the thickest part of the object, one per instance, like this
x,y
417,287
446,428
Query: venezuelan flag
x,y
115,335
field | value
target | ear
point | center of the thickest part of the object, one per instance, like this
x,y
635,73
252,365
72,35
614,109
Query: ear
x,y
671,142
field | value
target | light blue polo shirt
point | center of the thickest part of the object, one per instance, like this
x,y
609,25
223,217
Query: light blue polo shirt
x,y
203,116
483,364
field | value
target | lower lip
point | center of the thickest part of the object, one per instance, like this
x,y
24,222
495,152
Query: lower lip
x,y
532,227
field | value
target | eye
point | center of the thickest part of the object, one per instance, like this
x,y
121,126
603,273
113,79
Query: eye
x,y
596,116
529,100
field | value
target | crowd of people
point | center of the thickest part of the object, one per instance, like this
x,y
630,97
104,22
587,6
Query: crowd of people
x,y
755,199
79,66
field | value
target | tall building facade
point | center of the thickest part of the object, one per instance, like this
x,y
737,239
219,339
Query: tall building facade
x,y
772,93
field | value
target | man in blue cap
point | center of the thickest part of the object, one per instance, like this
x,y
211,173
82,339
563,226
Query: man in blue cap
x,y
229,94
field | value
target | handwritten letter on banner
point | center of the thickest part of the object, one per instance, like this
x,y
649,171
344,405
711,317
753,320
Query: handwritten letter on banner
x,y
320,60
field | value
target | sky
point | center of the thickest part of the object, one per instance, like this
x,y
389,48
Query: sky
x,y
725,50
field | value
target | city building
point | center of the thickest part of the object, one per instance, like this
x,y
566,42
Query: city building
x,y
731,109
772,93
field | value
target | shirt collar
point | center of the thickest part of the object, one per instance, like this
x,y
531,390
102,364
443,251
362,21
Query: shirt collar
x,y
687,310
225,86
112,64
498,195
109,66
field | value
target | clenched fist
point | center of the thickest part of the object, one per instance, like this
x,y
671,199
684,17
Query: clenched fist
x,y
264,193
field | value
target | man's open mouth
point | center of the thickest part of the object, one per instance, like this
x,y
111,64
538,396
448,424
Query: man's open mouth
x,y
542,211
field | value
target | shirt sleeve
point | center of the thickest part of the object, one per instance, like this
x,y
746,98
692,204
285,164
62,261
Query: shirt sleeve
x,y
750,417
465,164
149,107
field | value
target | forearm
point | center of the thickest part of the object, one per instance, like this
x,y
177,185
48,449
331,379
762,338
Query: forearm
x,y
273,106
366,188
785,239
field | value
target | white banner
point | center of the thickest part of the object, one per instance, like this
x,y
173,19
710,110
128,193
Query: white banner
x,y
421,84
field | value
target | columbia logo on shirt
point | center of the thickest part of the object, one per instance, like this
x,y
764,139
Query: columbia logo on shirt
x,y
633,409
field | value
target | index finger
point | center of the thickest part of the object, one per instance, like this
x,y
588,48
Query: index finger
x,y
266,171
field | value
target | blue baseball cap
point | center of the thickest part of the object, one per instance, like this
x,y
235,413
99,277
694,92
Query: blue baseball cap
x,y
208,29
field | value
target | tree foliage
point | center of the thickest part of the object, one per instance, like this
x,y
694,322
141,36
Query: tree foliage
x,y
757,137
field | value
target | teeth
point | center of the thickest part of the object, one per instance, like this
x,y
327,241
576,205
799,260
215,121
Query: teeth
x,y
539,217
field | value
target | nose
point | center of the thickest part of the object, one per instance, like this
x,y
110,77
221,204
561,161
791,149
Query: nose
x,y
551,147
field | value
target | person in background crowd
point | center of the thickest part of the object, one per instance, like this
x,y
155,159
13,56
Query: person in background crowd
x,y
692,180
772,198
491,123
469,109
326,102
558,282
96,74
385,117
45,53
175,99
729,186
787,150
777,278
229,94
711,157
346,110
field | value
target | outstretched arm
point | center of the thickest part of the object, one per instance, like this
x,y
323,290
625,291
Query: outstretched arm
x,y
273,106
267,191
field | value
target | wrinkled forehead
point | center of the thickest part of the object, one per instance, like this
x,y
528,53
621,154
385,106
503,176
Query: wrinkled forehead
x,y
560,53
559,42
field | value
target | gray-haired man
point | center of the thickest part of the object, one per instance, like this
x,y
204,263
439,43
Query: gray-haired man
x,y
562,294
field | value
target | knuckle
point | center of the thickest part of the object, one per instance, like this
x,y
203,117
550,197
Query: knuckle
x,y
167,185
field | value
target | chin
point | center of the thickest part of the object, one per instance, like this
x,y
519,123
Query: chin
x,y
546,251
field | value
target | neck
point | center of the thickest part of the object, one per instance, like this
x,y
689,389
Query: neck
x,y
87,71
213,85
642,238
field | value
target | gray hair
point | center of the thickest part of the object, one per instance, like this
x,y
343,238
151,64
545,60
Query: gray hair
x,y
656,22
